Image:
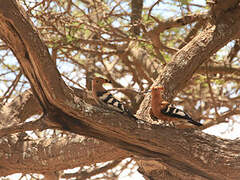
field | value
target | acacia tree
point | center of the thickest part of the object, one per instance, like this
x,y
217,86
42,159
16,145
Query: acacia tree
x,y
49,51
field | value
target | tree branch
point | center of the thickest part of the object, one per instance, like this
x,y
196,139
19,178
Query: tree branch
x,y
187,60
27,126
53,154
86,174
24,106
136,16
19,109
219,69
186,151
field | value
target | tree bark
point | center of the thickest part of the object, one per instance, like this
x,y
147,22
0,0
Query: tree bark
x,y
45,155
190,154
53,154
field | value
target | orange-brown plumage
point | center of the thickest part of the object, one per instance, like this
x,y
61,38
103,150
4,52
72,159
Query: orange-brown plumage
x,y
163,110
158,103
97,87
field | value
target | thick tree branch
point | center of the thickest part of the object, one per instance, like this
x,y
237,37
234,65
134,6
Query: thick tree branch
x,y
24,106
28,126
16,28
187,151
136,16
21,108
190,57
53,154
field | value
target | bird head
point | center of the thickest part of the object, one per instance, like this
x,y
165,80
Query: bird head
x,y
99,81
157,90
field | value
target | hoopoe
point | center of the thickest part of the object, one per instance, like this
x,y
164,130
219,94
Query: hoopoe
x,y
163,110
105,98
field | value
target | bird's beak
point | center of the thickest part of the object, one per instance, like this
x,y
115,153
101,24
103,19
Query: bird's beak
x,y
108,81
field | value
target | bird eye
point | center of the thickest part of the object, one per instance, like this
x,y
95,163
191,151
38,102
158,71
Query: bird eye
x,y
96,81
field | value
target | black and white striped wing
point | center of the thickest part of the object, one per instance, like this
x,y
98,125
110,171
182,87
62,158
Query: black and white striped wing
x,y
109,100
174,112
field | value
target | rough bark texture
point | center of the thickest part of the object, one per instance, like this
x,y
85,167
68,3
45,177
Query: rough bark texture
x,y
49,155
18,154
190,57
137,6
188,154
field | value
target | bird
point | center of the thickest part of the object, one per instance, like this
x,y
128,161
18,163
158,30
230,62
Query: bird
x,y
167,112
106,99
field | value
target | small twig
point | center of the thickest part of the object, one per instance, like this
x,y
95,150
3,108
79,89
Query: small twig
x,y
211,93
213,121
72,81
12,87
151,8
